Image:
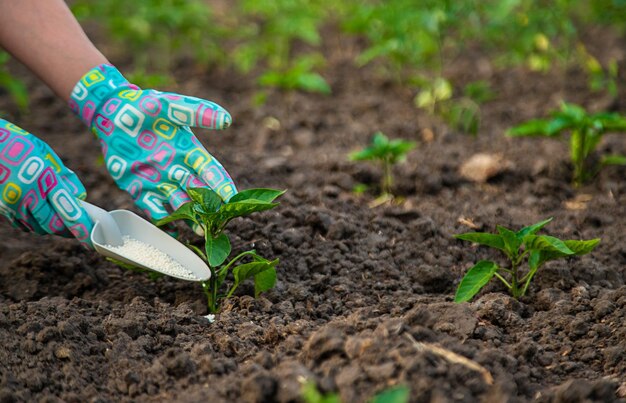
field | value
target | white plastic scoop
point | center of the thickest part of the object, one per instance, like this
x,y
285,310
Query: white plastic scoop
x,y
124,236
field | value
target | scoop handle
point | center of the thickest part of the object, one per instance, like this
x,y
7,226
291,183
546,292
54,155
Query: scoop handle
x,y
110,230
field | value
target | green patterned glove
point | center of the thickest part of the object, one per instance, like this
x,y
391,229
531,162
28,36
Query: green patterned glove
x,y
145,135
37,192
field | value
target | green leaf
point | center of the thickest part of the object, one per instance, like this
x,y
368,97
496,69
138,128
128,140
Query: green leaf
x,y
184,212
578,248
582,247
534,127
613,160
546,243
206,197
310,394
397,394
264,281
242,208
574,112
483,238
217,249
266,195
312,82
511,241
557,125
475,279
532,229
263,272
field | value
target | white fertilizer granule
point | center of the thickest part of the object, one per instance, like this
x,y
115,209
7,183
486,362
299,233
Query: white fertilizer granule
x,y
150,256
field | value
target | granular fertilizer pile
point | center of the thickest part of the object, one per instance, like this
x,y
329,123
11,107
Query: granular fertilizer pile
x,y
150,256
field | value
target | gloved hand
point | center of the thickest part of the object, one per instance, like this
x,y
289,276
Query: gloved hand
x,y
37,192
148,146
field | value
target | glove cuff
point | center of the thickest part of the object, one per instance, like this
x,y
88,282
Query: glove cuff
x,y
89,97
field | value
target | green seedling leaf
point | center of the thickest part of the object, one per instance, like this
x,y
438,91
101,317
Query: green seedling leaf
x,y
483,238
614,160
310,394
397,394
535,127
217,249
511,241
475,279
264,280
266,195
546,243
532,229
184,212
243,208
312,82
582,247
578,248
263,272
207,198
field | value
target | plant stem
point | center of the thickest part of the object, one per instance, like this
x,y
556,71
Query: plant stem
x,y
506,283
579,158
239,256
387,180
514,283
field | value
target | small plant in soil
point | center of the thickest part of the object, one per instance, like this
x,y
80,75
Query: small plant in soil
x,y
207,210
586,131
518,246
387,153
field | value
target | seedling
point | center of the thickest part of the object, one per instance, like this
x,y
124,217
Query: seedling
x,y
207,210
387,153
585,130
516,246
13,85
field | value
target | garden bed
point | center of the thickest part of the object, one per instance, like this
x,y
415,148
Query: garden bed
x,y
364,295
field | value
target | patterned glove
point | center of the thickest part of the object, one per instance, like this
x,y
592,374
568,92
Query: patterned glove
x,y
38,192
148,147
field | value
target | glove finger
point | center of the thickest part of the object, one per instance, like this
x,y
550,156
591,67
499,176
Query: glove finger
x,y
70,213
72,181
185,110
178,198
217,178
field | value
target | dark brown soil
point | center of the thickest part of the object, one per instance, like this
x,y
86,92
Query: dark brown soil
x,y
363,293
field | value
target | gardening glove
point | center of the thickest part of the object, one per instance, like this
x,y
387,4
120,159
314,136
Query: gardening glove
x,y
38,192
146,139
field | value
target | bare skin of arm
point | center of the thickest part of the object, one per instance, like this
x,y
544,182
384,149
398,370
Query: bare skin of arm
x,y
45,36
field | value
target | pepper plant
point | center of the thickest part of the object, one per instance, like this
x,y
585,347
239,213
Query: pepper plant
x,y
517,246
210,213
387,153
586,131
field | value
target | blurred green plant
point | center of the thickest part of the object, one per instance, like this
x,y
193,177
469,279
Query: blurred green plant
x,y
12,85
460,112
267,33
586,131
154,32
298,76
396,394
387,153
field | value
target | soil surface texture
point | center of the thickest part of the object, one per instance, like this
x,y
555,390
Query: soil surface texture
x,y
364,295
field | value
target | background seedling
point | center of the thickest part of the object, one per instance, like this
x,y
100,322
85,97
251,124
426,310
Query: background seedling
x,y
13,85
395,394
387,153
586,131
516,246
207,210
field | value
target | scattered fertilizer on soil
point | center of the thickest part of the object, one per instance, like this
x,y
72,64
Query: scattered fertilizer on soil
x,y
150,256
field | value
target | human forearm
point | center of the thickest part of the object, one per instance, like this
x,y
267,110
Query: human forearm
x,y
45,36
